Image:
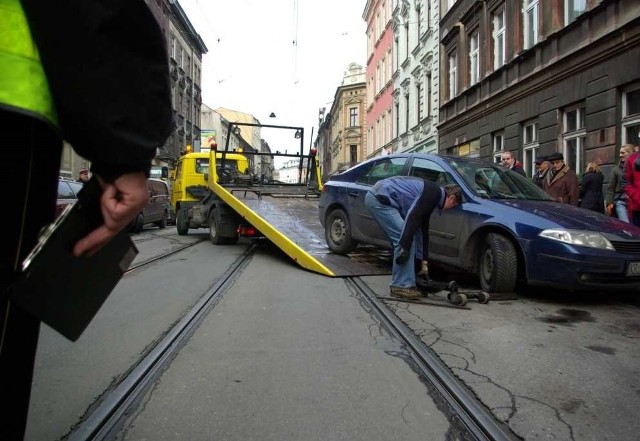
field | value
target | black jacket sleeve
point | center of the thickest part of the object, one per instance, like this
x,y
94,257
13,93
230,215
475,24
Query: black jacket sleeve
x,y
107,66
418,217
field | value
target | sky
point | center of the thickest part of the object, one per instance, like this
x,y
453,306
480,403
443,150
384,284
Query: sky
x,y
281,56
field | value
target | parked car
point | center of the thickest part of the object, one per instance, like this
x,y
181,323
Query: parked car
x,y
67,193
157,209
506,231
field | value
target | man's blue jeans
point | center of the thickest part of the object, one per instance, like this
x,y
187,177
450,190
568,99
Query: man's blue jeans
x,y
389,219
621,210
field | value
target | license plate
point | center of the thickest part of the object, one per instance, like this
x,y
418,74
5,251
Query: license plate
x,y
633,269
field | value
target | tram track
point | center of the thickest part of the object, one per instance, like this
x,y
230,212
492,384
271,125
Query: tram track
x,y
109,416
104,422
164,255
472,413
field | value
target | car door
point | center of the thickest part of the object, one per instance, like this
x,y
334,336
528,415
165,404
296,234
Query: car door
x,y
446,226
363,224
153,210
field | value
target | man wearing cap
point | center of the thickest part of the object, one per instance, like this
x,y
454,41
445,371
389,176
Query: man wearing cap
x,y
83,176
561,182
542,167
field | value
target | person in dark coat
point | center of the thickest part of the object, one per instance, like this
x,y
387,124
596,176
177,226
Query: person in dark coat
x,y
542,168
402,206
561,182
509,161
93,73
591,196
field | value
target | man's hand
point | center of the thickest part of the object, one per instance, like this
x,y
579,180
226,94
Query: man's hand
x,y
402,257
120,202
424,270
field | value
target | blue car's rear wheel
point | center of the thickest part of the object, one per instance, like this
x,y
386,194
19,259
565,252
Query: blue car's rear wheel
x,y
337,233
498,264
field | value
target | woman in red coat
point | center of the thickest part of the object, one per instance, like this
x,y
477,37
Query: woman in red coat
x,y
632,187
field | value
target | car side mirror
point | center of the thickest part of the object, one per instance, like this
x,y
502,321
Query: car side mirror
x,y
164,172
206,176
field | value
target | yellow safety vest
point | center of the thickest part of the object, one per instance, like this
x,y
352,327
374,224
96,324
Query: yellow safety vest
x,y
23,83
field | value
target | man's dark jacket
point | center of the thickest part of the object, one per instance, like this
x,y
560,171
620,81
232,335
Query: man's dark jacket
x,y
87,48
415,199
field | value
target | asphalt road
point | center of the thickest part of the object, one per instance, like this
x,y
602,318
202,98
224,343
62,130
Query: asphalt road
x,y
288,354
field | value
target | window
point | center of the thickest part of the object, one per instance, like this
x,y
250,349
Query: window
x,y
530,19
498,147
631,117
429,170
381,169
353,154
397,127
406,40
406,113
353,117
419,100
573,137
474,67
427,98
572,9
530,147
499,43
453,75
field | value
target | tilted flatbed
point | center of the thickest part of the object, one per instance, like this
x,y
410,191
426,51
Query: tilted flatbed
x,y
284,213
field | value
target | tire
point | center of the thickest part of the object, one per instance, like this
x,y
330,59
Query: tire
x,y
498,265
137,225
182,222
337,233
162,224
215,234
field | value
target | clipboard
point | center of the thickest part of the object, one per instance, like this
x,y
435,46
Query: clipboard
x,y
65,291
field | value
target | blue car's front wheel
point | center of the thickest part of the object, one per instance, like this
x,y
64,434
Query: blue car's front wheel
x,y
498,264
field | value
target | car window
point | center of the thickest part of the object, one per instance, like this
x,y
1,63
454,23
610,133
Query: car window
x,y
76,187
430,171
64,191
495,182
381,169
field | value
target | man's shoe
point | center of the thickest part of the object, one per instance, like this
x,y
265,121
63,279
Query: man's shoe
x,y
407,293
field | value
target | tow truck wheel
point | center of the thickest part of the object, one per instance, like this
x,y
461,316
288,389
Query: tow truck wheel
x,y
337,233
182,222
214,230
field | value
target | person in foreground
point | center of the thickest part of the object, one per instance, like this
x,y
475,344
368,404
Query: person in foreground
x,y
402,206
96,75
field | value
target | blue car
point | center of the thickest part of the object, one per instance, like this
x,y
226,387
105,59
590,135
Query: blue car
x,y
506,231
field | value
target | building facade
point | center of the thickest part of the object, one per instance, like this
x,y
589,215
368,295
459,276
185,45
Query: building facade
x,y
536,77
379,77
345,123
415,75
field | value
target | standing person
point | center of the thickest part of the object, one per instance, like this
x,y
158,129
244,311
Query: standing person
x,y
561,182
591,196
402,206
542,168
616,200
83,176
509,161
96,76
632,187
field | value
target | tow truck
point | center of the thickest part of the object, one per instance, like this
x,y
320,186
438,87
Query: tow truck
x,y
217,190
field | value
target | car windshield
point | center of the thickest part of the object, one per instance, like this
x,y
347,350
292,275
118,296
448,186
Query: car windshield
x,y
491,181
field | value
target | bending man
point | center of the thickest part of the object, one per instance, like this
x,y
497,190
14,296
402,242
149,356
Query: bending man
x,y
402,206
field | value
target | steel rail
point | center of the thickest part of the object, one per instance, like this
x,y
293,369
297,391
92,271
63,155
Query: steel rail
x,y
104,422
163,255
475,416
